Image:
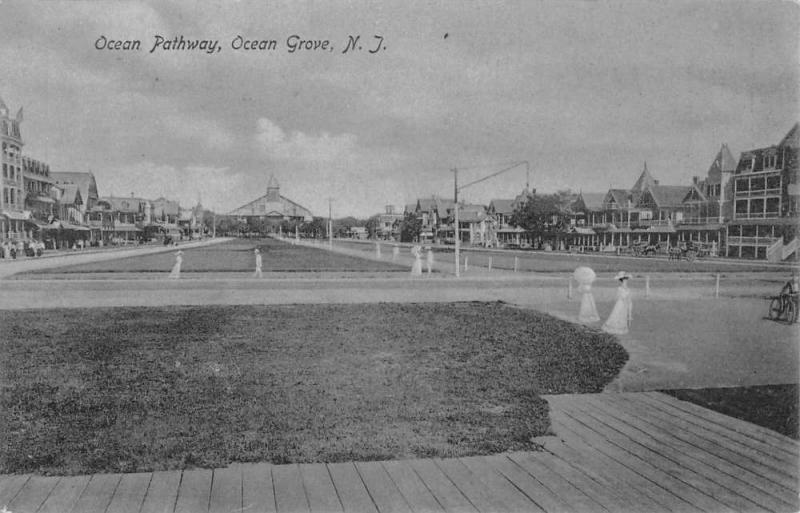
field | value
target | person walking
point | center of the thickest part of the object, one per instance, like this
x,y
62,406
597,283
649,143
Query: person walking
x,y
176,269
585,276
258,263
416,268
619,321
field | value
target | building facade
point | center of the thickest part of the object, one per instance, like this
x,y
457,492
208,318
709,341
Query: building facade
x,y
12,198
272,209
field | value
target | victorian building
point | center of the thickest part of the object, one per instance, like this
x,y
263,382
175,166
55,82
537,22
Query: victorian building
x,y
12,198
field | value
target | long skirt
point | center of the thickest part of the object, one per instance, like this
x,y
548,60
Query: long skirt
x,y
617,322
588,311
176,271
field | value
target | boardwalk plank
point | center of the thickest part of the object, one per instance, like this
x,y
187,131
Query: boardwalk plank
x,y
577,498
446,493
289,492
65,494
381,488
721,472
162,492
195,491
351,489
660,457
762,458
753,473
130,493
319,488
723,423
500,485
414,491
10,485
735,434
606,496
528,485
644,495
258,492
98,493
478,494
576,429
226,490
33,494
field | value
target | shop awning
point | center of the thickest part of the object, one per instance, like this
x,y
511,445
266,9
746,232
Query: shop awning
x,y
582,230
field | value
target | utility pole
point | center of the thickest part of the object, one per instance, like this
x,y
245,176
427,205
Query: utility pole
x,y
455,230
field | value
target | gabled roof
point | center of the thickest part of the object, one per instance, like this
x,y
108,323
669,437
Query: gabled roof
x,y
502,206
792,138
644,181
284,207
666,196
123,204
724,162
71,195
620,197
85,182
694,195
591,200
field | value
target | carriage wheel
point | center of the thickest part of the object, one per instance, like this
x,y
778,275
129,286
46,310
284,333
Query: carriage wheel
x,y
775,309
791,312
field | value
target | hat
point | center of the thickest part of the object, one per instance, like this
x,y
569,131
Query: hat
x,y
622,275
179,252
257,251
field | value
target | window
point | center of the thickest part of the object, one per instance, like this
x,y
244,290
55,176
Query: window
x,y
774,182
769,161
742,184
5,170
757,206
773,206
757,183
741,207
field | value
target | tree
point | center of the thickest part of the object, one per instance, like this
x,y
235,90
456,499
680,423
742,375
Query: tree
x,y
410,227
544,215
373,224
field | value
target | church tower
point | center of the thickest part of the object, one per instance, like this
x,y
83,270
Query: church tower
x,y
273,190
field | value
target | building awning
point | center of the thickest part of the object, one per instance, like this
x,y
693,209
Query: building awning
x,y
582,230
126,229
78,228
41,225
661,229
16,215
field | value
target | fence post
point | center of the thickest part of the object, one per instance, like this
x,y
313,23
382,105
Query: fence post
x,y
516,263
647,286
716,288
490,263
466,263
569,288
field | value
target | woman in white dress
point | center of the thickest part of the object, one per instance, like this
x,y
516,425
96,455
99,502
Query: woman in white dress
x,y
585,276
416,269
176,269
620,319
258,273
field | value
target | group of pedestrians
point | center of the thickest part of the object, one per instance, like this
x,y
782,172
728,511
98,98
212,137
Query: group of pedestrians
x,y
619,321
175,273
12,250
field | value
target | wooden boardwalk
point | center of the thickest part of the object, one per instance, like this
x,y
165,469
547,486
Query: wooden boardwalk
x,y
636,452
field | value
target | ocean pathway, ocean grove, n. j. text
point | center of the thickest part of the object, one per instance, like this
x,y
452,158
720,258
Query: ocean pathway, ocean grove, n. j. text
x,y
292,44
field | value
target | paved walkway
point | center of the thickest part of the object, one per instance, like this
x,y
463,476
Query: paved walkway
x,y
609,452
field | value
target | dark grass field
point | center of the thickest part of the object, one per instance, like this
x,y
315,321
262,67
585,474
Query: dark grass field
x,y
139,389
235,256
771,406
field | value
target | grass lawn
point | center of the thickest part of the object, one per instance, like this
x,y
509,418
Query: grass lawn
x,y
235,256
139,389
771,406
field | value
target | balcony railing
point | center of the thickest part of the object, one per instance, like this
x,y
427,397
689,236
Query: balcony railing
x,y
757,193
651,222
756,215
751,241
700,220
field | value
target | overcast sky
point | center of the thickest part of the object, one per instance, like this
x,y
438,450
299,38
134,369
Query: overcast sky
x,y
584,91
